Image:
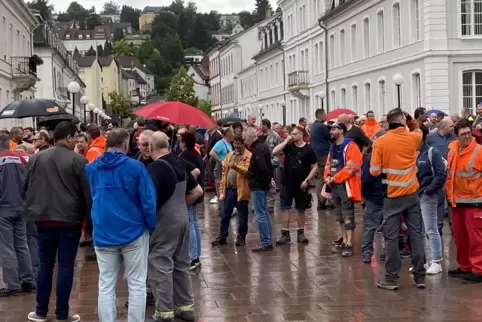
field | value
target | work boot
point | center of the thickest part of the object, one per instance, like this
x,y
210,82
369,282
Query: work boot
x,y
301,239
240,240
285,237
163,316
387,285
219,241
457,272
70,318
185,313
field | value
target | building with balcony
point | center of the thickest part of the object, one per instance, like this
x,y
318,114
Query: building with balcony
x,y
58,68
18,65
215,79
435,45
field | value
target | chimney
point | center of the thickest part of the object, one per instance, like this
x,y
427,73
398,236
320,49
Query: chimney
x,y
268,13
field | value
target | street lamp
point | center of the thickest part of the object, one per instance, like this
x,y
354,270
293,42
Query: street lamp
x,y
322,96
96,111
260,108
91,108
84,100
283,106
73,88
101,116
398,80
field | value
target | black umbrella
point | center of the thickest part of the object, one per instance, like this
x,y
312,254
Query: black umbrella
x,y
51,121
229,120
30,108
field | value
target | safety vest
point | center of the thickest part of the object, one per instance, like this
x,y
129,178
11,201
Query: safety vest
x,y
394,157
464,175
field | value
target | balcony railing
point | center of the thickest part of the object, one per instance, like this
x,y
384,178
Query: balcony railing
x,y
298,78
23,66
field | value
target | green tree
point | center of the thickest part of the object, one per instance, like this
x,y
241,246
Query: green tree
x,y
91,52
76,54
247,19
205,106
43,6
172,50
63,17
261,8
110,8
200,37
122,48
120,104
181,88
76,11
163,25
228,28
100,51
177,6
92,19
108,48
129,14
146,50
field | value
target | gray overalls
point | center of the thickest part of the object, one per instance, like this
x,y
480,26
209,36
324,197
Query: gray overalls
x,y
169,260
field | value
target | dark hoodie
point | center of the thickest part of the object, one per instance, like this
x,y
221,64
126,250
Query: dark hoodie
x,y
260,170
372,189
124,199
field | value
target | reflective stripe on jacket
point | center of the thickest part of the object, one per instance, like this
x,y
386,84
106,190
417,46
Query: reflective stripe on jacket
x,y
350,173
464,178
394,157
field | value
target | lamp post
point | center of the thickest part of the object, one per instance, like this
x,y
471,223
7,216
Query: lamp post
x,y
96,112
101,117
283,106
322,96
260,109
84,100
91,108
73,88
398,80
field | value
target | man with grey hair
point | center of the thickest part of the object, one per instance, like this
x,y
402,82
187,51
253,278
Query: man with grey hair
x,y
144,154
14,254
169,260
123,214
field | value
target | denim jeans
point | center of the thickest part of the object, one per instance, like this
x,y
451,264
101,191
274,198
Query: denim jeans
x,y
61,242
217,181
260,205
230,201
373,218
195,234
428,205
134,257
14,255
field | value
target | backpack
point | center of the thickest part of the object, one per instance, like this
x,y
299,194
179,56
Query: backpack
x,y
430,153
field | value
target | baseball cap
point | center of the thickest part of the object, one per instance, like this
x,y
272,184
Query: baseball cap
x,y
337,125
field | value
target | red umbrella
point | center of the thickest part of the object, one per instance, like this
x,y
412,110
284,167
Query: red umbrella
x,y
175,113
337,112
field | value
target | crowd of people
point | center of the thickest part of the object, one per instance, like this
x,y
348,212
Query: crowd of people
x,y
131,197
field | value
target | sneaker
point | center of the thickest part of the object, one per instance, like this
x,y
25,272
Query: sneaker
x,y
32,316
387,285
214,200
28,287
473,278
405,253
71,318
339,241
6,292
219,241
426,266
263,248
383,257
457,272
347,251
337,248
235,212
194,264
285,238
419,281
434,269
240,240
301,238
367,260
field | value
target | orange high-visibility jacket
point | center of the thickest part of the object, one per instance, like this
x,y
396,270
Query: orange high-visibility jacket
x,y
370,127
464,177
394,156
351,173
12,145
96,149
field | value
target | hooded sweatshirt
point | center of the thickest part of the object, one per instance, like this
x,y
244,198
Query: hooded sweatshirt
x,y
124,199
96,149
370,127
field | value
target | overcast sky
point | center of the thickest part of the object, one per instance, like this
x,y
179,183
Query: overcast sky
x,y
222,6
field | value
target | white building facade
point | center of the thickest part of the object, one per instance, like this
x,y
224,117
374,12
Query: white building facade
x,y
57,71
436,45
18,74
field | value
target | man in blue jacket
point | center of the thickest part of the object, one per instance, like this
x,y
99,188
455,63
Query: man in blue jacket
x,y
372,194
123,214
431,176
